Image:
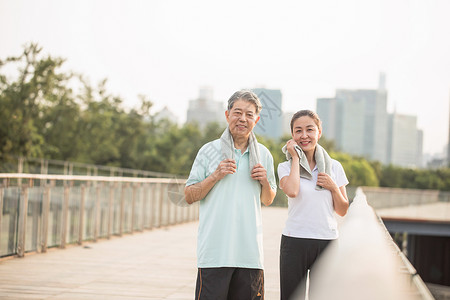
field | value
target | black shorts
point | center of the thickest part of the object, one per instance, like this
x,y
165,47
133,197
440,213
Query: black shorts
x,y
229,284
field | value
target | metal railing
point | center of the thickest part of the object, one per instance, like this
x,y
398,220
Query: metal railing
x,y
41,211
31,165
364,263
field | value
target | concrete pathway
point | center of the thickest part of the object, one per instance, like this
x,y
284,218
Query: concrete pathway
x,y
156,264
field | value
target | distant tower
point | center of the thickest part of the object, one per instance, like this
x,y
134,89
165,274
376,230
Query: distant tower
x,y
382,82
448,145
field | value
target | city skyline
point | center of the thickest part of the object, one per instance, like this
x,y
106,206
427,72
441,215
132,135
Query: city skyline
x,y
168,50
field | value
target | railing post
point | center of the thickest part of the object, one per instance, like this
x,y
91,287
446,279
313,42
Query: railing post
x,y
65,213
122,207
2,191
161,198
133,210
175,212
152,205
144,205
97,213
168,204
110,209
83,201
22,228
45,216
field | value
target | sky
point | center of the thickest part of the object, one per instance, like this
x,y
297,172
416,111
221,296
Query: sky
x,y
168,50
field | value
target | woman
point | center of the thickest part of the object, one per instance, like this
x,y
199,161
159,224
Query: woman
x,y
313,197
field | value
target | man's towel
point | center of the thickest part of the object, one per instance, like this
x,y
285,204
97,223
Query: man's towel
x,y
323,162
227,147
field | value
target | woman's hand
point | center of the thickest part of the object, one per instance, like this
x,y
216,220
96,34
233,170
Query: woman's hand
x,y
290,146
325,181
338,194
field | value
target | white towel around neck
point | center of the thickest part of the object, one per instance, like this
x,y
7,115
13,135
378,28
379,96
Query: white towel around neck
x,y
227,147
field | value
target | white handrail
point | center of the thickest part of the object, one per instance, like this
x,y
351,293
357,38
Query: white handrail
x,y
90,178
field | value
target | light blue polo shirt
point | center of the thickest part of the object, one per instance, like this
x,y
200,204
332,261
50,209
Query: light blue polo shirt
x,y
230,228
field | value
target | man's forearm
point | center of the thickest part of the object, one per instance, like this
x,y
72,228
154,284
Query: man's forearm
x,y
267,194
198,191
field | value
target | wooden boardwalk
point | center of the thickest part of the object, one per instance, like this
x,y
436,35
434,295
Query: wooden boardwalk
x,y
156,264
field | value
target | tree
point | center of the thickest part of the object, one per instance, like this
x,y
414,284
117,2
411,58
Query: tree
x,y
358,170
38,84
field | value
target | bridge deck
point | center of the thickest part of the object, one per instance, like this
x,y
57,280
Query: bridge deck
x,y
156,264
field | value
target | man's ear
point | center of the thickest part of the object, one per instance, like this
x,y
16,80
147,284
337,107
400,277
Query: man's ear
x,y
226,115
259,117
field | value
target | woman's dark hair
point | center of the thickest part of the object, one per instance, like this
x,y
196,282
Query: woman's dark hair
x,y
309,113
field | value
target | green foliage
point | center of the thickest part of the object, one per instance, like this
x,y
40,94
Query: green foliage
x,y
392,176
359,172
38,85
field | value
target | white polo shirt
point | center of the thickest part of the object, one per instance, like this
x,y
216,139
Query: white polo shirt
x,y
311,213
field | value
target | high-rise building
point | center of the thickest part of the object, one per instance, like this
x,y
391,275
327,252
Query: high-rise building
x,y
358,122
204,109
326,109
271,122
405,143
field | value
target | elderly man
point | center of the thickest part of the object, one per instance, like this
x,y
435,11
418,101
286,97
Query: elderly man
x,y
230,177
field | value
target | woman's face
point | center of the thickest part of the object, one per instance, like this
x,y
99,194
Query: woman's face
x,y
306,133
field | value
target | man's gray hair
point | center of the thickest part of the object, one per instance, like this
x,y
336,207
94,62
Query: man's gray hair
x,y
245,95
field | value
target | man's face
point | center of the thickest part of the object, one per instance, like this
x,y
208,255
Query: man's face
x,y
241,119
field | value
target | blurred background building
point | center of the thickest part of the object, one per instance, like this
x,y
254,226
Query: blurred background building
x,y
271,122
204,109
166,114
356,120
359,124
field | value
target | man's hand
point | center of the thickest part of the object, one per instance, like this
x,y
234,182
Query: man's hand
x,y
260,174
226,166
